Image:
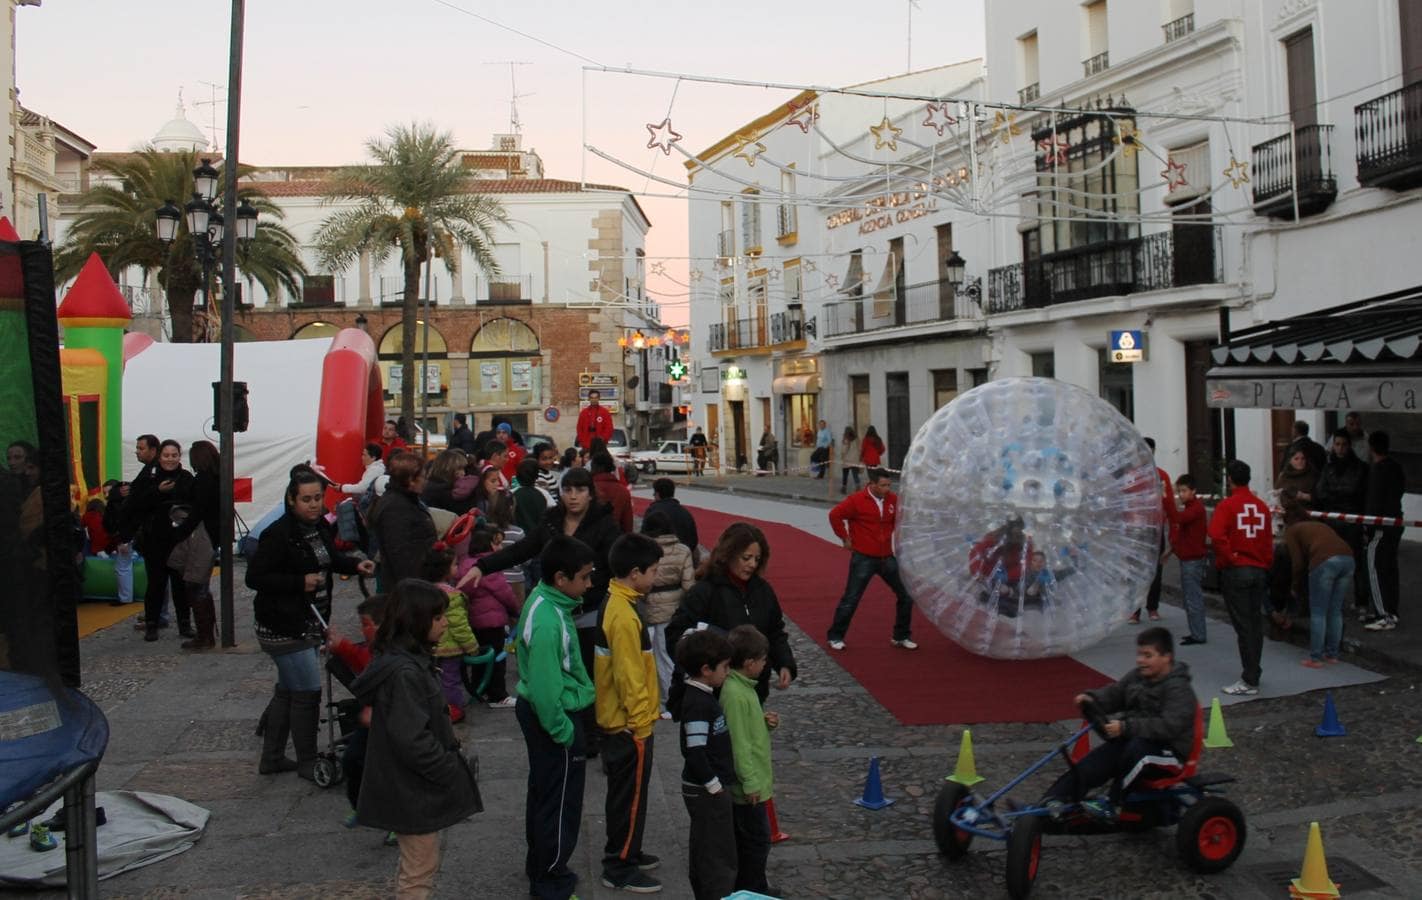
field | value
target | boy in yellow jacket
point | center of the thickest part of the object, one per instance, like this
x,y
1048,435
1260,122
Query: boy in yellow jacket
x,y
627,705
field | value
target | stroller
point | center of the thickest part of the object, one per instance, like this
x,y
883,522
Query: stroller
x,y
341,717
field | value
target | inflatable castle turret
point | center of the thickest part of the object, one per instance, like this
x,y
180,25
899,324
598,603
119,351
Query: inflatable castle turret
x,y
17,399
94,316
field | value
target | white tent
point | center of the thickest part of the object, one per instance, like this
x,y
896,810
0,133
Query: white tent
x,y
167,391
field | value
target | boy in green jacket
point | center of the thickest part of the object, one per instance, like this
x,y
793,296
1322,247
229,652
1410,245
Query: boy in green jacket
x,y
749,726
553,689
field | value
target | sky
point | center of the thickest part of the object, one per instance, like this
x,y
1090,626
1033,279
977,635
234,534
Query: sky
x,y
320,77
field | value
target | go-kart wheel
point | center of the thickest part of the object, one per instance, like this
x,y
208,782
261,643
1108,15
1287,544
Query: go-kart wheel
x,y
952,842
1024,852
339,773
1210,835
324,772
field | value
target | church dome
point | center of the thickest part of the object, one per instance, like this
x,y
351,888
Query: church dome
x,y
180,134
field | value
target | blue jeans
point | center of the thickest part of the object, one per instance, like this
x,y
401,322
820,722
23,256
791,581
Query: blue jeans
x,y
123,574
299,670
1328,586
861,569
1192,579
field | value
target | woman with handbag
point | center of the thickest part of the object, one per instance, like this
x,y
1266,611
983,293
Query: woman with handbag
x,y
197,534
170,489
417,783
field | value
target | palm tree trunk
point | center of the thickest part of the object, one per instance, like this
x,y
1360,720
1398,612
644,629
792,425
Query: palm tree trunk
x,y
411,305
181,291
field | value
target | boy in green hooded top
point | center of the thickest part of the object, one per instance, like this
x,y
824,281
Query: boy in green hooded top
x,y
749,726
553,688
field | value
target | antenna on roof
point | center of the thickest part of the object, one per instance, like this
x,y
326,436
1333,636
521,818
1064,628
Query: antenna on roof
x,y
213,103
515,126
913,4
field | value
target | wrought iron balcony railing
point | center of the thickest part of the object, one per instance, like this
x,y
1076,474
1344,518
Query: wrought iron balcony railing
x,y
1030,93
1275,181
1097,64
914,304
1182,26
1389,139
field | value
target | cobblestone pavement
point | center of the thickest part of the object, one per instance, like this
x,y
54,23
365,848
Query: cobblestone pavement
x,y
182,724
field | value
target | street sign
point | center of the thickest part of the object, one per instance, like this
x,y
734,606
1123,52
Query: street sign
x,y
606,394
598,380
1127,346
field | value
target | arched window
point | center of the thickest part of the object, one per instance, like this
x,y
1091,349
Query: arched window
x,y
315,330
436,379
505,370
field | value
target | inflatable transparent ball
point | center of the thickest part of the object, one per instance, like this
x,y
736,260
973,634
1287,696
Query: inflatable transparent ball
x,y
1029,519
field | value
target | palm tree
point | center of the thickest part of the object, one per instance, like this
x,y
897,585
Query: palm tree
x,y
413,199
117,222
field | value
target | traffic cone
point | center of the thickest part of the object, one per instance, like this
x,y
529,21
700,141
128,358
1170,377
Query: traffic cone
x,y
776,835
873,789
1216,738
1082,745
966,771
1331,727
1313,881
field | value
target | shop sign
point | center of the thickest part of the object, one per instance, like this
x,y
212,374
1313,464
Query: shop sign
x,y
598,380
1367,394
733,374
1127,346
882,212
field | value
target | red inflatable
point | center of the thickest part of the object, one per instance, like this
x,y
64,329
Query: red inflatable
x,y
352,409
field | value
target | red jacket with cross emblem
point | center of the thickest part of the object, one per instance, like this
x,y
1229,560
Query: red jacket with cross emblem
x,y
1242,531
593,421
870,532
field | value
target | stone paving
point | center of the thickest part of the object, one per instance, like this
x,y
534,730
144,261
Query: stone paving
x,y
182,724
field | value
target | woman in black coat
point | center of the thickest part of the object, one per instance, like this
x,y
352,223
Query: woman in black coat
x,y
416,781
291,573
731,591
402,525
171,486
196,536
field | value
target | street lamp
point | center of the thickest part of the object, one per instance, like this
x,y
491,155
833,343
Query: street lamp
x,y
205,222
969,286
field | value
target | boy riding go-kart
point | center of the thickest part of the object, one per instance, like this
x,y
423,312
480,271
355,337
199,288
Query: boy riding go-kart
x,y
1154,734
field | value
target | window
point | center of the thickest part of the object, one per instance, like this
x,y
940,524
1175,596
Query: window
x,y
726,238
979,376
316,331
1303,87
1187,173
794,284
1096,58
1044,364
435,379
750,222
1118,385
945,387
318,290
801,415
1179,19
505,368
1027,72
787,218
1088,189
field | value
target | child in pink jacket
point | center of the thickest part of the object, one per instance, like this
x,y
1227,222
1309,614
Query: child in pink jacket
x,y
492,607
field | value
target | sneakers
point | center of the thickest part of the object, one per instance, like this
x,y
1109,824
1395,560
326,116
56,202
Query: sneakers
x,y
40,838
1135,618
1190,640
1382,623
1332,660
19,830
1309,662
1154,616
506,703
1241,689
350,820
635,883
905,644
836,645
647,862
391,839
456,714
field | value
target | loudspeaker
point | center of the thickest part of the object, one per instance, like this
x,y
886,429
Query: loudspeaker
x,y
241,414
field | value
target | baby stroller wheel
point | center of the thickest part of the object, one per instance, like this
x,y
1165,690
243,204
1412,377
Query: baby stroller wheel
x,y
327,771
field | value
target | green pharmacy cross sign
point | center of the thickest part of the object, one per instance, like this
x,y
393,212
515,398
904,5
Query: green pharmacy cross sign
x,y
676,370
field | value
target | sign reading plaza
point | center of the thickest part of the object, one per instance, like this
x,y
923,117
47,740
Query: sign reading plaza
x,y
1380,394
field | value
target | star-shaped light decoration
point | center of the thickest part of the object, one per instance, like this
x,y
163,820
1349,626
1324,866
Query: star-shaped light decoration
x,y
676,370
833,281
810,266
697,275
1054,149
663,136
938,117
1174,175
1129,137
886,134
803,114
1237,172
750,149
1004,127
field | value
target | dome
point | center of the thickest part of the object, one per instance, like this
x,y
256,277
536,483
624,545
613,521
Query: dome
x,y
180,134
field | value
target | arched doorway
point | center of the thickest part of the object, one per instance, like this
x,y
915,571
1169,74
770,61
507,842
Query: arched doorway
x,y
435,380
505,368
315,331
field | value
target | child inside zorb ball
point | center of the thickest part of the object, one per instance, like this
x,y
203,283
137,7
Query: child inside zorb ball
x,y
1029,519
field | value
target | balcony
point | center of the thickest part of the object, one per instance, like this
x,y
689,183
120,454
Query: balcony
x,y
1182,26
740,335
787,327
915,304
725,246
1389,139
1274,181
1097,64
1168,259
504,291
787,224
1030,93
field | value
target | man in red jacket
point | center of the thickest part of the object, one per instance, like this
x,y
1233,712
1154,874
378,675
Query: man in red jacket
x,y
864,523
1242,532
594,421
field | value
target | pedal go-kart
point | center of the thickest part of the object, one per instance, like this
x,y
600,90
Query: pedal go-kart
x,y
1210,829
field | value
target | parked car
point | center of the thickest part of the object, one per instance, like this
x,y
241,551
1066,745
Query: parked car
x,y
531,441
670,456
438,442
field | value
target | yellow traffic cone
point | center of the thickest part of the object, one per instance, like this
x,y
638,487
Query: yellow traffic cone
x,y
966,771
1314,880
1215,736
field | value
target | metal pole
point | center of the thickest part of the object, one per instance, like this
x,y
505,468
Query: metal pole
x,y
1227,414
425,366
229,310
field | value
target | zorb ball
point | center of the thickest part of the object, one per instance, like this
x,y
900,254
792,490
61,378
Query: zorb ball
x,y
1029,519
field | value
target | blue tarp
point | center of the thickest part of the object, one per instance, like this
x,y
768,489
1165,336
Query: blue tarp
x,y
43,736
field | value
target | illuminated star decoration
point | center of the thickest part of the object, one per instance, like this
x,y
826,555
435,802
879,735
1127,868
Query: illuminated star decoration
x,y
1174,175
1129,138
750,149
659,268
833,281
1007,125
1055,150
938,125
1237,172
810,265
886,128
803,115
663,136
773,275
696,275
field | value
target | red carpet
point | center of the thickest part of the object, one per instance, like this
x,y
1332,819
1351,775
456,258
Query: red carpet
x,y
938,684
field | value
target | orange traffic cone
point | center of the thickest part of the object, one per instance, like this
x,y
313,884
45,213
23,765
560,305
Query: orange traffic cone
x,y
1082,745
1313,881
776,835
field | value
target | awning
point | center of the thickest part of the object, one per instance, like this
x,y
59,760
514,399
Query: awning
x,y
796,384
1359,356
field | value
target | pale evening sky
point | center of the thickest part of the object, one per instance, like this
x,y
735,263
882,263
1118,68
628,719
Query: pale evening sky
x,y
321,76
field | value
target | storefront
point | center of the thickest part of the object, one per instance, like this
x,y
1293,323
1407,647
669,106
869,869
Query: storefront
x,y
796,390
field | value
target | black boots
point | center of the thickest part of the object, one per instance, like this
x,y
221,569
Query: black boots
x,y
205,613
275,727
305,720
